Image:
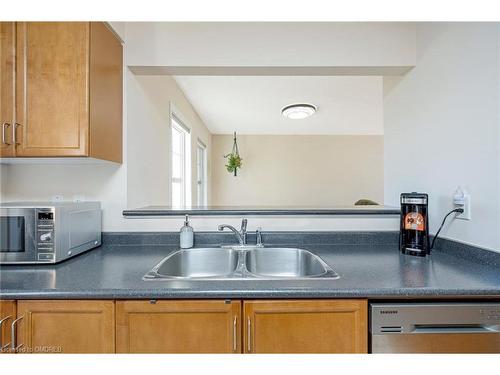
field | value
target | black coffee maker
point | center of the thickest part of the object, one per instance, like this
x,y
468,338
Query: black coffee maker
x,y
414,228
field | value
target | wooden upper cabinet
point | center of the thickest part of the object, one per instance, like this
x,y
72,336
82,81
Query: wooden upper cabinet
x,y
7,316
68,90
66,326
307,326
178,326
52,88
106,94
7,87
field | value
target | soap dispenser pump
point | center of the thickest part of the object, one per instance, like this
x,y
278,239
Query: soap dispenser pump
x,y
187,235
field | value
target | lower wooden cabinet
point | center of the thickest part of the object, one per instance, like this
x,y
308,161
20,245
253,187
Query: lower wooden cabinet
x,y
7,316
308,326
66,326
178,326
185,326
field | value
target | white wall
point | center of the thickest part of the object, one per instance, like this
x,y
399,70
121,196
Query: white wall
x,y
268,44
105,182
119,28
4,170
498,122
442,127
441,130
299,170
119,187
140,179
149,163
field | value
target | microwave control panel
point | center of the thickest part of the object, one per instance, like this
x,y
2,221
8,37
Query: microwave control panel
x,y
45,234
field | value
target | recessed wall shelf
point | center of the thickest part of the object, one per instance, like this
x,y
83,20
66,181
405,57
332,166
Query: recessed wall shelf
x,y
261,211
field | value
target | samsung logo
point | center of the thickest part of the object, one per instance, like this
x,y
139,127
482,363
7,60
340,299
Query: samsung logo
x,y
388,311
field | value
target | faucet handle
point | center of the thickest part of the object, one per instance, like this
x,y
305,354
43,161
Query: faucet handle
x,y
244,223
258,233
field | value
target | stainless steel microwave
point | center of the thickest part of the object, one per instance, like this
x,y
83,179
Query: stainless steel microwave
x,y
47,232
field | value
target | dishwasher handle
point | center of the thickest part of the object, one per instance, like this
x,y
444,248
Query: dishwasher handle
x,y
454,328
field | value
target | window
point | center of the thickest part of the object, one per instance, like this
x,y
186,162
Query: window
x,y
181,172
201,164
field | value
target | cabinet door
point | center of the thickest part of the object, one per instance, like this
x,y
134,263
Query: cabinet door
x,y
66,326
7,316
178,326
52,88
7,87
305,326
106,94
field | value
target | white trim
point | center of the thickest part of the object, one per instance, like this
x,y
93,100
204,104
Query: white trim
x,y
203,183
180,123
180,120
176,128
175,113
201,143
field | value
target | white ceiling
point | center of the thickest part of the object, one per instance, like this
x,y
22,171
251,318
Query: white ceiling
x,y
252,104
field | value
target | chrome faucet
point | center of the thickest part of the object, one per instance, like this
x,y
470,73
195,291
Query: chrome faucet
x,y
241,235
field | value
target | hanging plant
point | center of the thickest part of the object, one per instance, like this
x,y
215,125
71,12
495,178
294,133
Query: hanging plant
x,y
233,159
233,163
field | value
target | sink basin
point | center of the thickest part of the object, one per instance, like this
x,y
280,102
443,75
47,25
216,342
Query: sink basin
x,y
241,262
197,263
284,262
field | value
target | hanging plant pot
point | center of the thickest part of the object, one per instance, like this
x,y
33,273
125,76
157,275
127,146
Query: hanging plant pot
x,y
233,159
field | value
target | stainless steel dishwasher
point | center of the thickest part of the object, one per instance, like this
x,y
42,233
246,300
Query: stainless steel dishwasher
x,y
435,327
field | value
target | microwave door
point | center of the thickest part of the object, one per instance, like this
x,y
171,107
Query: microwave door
x,y
12,234
17,235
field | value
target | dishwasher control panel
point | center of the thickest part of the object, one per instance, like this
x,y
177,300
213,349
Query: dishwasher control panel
x,y
409,318
491,313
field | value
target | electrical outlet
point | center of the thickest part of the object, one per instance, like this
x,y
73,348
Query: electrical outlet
x,y
57,198
466,207
461,199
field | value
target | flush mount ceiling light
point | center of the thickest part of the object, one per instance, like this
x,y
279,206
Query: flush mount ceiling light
x,y
298,111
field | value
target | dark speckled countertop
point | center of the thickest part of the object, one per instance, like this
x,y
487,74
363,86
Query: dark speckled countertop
x,y
368,268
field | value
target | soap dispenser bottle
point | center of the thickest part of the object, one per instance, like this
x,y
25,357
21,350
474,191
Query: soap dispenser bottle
x,y
187,235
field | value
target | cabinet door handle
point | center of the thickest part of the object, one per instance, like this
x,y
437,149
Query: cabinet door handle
x,y
13,334
5,125
16,125
235,335
249,335
2,346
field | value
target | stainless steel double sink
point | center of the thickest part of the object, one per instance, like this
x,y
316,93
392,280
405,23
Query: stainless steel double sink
x,y
241,262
